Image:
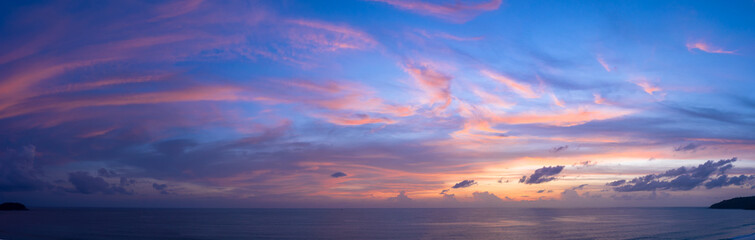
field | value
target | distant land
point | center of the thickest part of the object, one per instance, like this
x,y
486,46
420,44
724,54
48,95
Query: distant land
x,y
11,206
747,203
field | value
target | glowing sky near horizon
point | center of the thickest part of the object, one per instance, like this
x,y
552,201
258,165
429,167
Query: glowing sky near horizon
x,y
376,103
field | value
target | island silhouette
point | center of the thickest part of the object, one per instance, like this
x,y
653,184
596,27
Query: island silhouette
x,y
12,206
747,203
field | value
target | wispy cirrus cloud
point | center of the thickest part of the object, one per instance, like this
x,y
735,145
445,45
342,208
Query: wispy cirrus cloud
x,y
256,103
354,119
523,89
458,12
604,63
435,84
449,36
705,47
335,36
648,87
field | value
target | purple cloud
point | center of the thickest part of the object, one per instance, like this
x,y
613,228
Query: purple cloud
x,y
464,184
542,175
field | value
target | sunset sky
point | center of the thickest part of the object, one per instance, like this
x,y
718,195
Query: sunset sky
x,y
376,103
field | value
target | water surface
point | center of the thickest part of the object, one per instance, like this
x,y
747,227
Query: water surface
x,y
460,223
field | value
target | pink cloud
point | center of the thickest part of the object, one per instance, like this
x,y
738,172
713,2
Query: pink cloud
x,y
458,12
705,47
492,99
457,38
354,119
522,89
603,63
344,31
598,99
176,8
568,117
97,133
207,93
435,84
297,41
648,87
342,96
557,101
448,36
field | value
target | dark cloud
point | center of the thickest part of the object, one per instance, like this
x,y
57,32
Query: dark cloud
x,y
18,171
124,181
579,187
723,181
686,148
569,194
338,174
106,173
542,175
584,164
541,191
560,148
449,198
86,184
174,147
681,179
486,197
400,198
160,187
711,114
616,183
464,184
500,180
444,191
632,197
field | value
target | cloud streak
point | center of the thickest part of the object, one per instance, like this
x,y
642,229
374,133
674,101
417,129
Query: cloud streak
x,y
459,12
705,47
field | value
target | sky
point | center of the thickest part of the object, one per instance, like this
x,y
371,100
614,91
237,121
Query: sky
x,y
376,103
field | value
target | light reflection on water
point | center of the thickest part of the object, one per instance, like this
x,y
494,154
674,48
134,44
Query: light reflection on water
x,y
478,223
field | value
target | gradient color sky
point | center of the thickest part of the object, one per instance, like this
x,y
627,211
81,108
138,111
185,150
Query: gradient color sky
x,y
382,103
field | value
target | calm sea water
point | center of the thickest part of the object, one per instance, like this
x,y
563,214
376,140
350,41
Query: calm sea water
x,y
490,223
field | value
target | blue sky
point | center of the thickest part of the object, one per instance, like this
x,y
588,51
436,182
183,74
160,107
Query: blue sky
x,y
417,103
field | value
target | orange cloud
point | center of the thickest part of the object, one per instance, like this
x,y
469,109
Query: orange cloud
x,y
569,117
459,12
522,89
648,87
598,99
702,46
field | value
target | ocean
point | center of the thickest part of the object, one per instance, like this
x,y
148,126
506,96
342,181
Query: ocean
x,y
458,223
